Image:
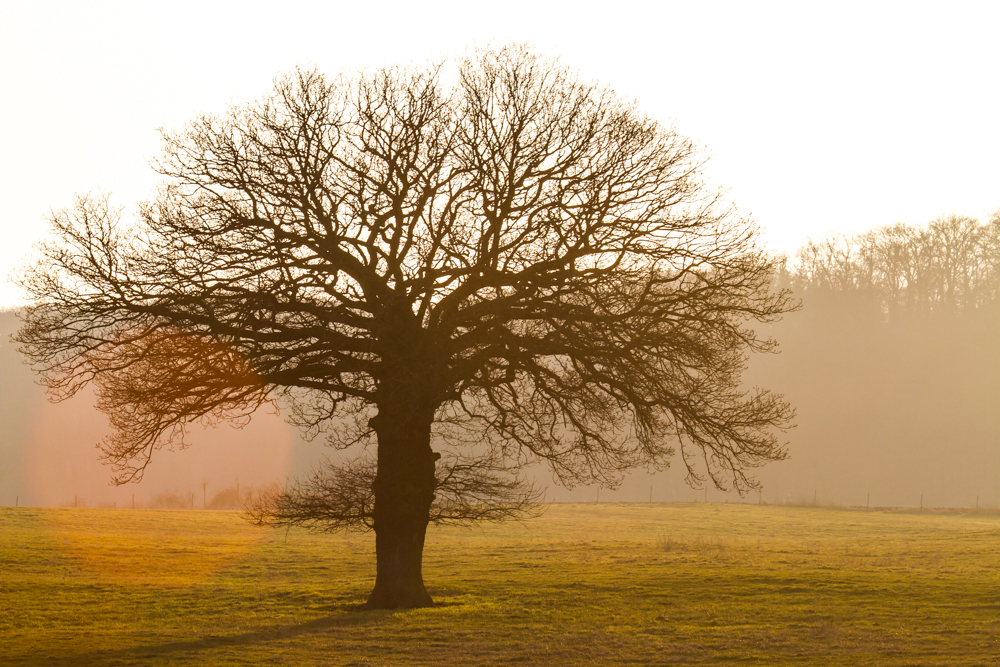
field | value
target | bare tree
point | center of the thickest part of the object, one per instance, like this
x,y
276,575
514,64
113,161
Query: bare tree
x,y
517,267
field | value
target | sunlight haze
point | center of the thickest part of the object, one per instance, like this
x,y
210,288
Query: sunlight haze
x,y
818,118
524,332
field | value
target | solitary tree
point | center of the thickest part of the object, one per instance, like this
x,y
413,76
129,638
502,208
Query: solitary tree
x,y
514,267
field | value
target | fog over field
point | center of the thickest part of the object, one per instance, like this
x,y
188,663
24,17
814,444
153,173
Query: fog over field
x,y
892,364
894,381
812,118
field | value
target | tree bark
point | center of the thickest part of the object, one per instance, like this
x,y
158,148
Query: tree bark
x,y
404,490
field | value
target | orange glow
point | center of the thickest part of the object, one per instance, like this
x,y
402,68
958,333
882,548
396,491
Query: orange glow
x,y
63,461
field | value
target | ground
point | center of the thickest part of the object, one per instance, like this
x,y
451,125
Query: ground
x,y
684,584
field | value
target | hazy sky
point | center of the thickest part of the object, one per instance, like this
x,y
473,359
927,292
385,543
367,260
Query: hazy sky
x,y
820,117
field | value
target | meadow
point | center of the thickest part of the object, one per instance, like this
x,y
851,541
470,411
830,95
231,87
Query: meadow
x,y
608,584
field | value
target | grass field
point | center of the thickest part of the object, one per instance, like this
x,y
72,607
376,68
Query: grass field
x,y
583,585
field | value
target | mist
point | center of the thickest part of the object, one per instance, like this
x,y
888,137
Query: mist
x,y
50,457
892,364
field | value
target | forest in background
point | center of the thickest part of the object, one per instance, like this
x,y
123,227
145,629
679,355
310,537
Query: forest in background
x,y
892,363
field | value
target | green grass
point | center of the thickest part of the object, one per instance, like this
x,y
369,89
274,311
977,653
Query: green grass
x,y
583,585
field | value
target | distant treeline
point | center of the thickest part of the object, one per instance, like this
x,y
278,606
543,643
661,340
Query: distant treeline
x,y
950,264
893,364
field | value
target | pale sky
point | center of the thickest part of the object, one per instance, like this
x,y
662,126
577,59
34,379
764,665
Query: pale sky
x,y
820,117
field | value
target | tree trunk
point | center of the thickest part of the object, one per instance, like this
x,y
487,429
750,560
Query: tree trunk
x,y
404,490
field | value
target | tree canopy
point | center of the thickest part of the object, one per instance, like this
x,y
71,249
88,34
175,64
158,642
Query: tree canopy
x,y
492,257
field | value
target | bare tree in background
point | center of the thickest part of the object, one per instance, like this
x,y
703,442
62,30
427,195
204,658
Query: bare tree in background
x,y
518,267
950,265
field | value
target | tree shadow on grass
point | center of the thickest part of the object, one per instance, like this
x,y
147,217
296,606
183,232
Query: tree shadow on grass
x,y
349,615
